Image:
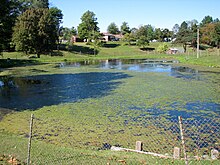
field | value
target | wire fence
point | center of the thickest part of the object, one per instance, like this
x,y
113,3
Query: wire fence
x,y
160,140
154,141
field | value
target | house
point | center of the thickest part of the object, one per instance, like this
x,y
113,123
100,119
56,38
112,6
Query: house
x,y
112,37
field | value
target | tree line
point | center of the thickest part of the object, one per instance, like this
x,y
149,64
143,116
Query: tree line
x,y
185,33
32,26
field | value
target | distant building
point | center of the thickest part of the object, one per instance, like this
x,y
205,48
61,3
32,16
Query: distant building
x,y
112,37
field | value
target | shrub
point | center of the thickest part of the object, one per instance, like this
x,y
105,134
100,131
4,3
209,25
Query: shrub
x,y
162,48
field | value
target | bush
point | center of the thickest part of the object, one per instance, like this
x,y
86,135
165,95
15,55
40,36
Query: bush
x,y
162,48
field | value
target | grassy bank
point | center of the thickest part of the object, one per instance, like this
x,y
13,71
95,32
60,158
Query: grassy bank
x,y
117,50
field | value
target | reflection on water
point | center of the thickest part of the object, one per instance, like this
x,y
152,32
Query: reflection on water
x,y
141,65
37,91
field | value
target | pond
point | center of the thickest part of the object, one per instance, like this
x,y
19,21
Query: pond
x,y
37,91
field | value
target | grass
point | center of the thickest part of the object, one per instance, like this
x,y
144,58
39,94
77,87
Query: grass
x,y
45,153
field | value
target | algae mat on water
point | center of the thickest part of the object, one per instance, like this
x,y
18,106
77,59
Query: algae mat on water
x,y
115,115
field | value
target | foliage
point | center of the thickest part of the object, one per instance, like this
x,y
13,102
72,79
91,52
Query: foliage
x,y
208,34
143,35
88,25
96,42
166,34
66,33
162,48
176,28
158,35
187,34
27,4
129,38
125,28
142,41
113,29
217,34
36,30
8,14
206,20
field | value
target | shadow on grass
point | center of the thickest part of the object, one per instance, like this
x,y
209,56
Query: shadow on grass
x,y
33,92
110,45
147,49
83,50
8,63
57,53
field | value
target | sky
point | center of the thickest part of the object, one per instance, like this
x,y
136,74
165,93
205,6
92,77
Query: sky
x,y
158,13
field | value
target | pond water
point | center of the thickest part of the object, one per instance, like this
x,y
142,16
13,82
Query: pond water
x,y
33,92
141,65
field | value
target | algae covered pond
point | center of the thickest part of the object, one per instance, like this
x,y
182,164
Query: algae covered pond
x,y
87,105
135,85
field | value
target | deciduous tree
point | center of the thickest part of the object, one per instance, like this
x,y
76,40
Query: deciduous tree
x,y
36,30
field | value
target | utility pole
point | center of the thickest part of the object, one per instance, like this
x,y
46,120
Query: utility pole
x,y
198,43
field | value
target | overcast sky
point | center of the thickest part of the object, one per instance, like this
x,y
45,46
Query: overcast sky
x,y
158,13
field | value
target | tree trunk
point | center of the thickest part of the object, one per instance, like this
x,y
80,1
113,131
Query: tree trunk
x,y
184,47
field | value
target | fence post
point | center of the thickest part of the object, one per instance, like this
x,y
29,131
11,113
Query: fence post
x,y
29,142
183,140
139,146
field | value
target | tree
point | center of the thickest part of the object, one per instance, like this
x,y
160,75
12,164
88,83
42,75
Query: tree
x,y
162,48
66,33
129,38
113,29
217,34
158,34
125,28
142,41
206,20
187,35
56,17
175,29
96,42
27,4
35,30
166,34
9,11
88,25
73,31
208,34
147,31
216,20
150,33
